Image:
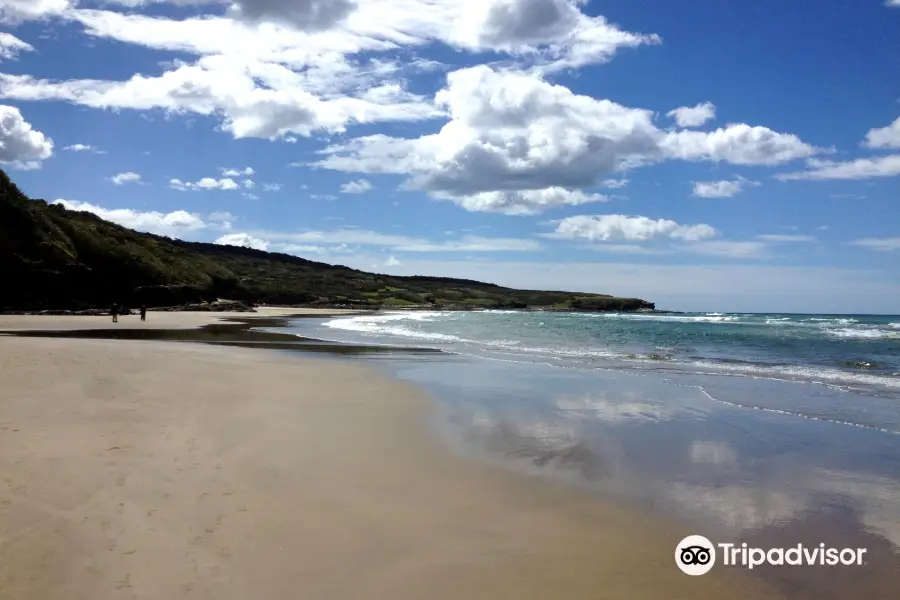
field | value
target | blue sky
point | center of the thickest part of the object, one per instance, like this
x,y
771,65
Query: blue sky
x,y
706,155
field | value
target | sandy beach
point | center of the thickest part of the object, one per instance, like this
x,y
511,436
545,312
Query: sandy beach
x,y
155,320
161,470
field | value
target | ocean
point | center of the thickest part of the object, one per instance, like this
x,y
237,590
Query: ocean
x,y
748,426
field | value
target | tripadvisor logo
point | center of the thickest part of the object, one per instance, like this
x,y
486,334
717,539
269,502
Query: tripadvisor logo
x,y
696,555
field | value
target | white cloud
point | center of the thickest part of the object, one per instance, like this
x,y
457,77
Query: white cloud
x,y
615,184
244,240
123,178
84,148
14,11
626,228
272,187
880,244
720,189
392,262
861,168
738,144
248,171
554,32
171,224
511,132
885,137
285,68
548,34
525,202
693,116
253,99
248,184
356,187
11,46
892,2
21,146
206,183
303,14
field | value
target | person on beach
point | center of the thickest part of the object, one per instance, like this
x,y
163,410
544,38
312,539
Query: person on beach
x,y
143,312
115,313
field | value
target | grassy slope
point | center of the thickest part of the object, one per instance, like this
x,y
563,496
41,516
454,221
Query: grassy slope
x,y
54,258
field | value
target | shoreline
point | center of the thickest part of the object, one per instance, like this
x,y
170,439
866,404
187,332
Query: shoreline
x,y
114,483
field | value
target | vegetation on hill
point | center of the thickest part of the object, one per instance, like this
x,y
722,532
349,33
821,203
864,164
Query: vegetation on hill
x,y
54,258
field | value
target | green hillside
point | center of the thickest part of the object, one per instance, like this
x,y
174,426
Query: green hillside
x,y
53,258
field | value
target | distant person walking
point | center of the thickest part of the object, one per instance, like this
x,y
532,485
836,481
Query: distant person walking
x,y
114,311
143,312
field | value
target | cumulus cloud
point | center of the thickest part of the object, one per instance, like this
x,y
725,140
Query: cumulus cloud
x,y
512,132
11,46
123,178
615,184
861,168
360,186
524,202
244,240
247,171
627,228
272,187
15,11
720,189
21,146
554,32
739,144
693,116
884,137
170,224
206,183
265,78
229,87
302,14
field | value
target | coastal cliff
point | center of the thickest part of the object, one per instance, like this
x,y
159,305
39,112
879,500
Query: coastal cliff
x,y
52,258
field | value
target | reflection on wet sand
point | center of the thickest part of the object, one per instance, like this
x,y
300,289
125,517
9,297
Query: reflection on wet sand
x,y
736,475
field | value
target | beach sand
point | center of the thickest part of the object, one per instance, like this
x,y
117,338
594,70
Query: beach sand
x,y
155,320
159,470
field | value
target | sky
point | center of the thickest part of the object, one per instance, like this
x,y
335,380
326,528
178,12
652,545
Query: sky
x,y
704,155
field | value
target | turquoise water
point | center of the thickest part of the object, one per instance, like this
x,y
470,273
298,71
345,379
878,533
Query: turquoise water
x,y
839,349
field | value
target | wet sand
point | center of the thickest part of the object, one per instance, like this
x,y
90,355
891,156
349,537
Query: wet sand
x,y
158,470
155,320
